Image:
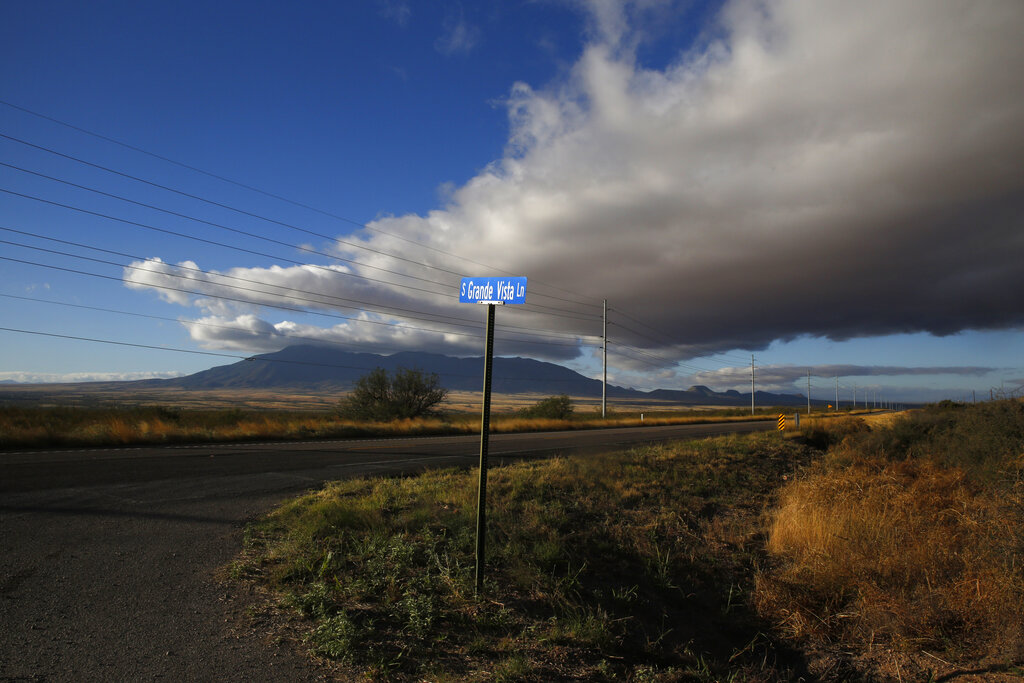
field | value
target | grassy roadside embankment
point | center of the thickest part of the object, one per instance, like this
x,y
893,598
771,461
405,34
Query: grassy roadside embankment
x,y
850,552
599,567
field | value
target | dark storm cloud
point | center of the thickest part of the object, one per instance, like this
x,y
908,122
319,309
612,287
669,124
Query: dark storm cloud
x,y
790,376
829,169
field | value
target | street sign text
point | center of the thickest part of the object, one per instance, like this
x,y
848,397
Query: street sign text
x,y
493,290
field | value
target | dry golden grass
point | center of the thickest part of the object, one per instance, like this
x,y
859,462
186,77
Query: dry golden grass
x,y
879,420
97,394
36,428
512,423
909,553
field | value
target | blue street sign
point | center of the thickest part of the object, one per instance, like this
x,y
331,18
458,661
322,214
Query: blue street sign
x,y
493,290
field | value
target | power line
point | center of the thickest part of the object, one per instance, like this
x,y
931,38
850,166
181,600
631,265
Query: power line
x,y
280,306
150,316
221,226
210,242
405,312
616,351
212,274
663,359
244,233
216,296
629,317
317,341
119,343
665,336
205,200
269,194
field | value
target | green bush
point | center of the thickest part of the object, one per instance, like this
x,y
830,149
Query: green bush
x,y
379,397
552,408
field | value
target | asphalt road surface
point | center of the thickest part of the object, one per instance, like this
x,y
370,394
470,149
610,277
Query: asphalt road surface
x,y
108,557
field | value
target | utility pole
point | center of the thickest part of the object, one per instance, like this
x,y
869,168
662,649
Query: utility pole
x,y
604,378
751,384
837,394
808,391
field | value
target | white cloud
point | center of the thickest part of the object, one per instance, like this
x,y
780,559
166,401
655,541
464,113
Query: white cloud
x,y
170,283
236,302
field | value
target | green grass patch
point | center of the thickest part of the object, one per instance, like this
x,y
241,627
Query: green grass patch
x,y
635,566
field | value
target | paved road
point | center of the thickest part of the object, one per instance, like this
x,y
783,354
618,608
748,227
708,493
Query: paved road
x,y
107,557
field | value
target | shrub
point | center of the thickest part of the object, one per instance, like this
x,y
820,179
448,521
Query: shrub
x,y
824,433
908,553
982,439
379,397
551,408
909,535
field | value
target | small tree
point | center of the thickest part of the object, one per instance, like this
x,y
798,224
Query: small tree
x,y
379,397
552,408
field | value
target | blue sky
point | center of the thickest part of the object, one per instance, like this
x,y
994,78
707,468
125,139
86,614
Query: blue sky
x,y
822,185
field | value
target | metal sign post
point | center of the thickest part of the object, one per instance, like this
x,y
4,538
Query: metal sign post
x,y
485,428
493,291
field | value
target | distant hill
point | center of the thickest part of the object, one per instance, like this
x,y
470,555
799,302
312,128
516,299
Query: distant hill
x,y
308,366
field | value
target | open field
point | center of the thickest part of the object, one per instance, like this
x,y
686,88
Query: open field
x,y
845,552
99,415
103,394
96,394
158,425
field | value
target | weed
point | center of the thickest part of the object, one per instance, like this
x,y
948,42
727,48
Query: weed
x,y
655,674
514,668
625,594
419,610
238,570
316,600
661,567
336,637
589,626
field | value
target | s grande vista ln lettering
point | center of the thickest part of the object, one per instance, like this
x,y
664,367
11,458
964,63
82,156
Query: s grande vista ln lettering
x,y
493,290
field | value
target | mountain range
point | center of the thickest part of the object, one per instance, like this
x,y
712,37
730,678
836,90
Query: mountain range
x,y
307,366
